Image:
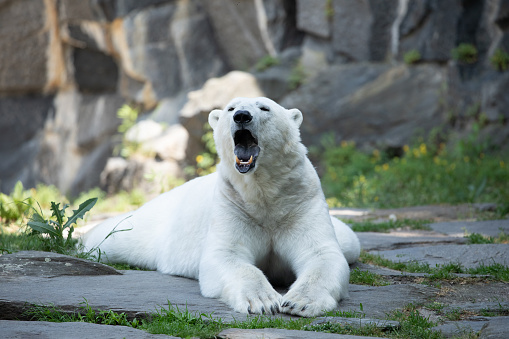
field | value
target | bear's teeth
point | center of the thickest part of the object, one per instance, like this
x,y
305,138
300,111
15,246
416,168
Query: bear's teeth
x,y
239,162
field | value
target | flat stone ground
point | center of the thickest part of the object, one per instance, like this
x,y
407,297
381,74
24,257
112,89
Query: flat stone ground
x,y
457,306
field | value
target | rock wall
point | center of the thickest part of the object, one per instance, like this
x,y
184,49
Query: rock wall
x,y
67,66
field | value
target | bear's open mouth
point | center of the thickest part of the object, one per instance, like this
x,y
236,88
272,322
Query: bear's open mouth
x,y
246,150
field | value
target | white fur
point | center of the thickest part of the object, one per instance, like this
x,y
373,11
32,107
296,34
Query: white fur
x,y
236,232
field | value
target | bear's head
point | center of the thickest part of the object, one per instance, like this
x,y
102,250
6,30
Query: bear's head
x,y
253,132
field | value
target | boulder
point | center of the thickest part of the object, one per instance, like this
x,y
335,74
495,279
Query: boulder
x,y
144,130
170,145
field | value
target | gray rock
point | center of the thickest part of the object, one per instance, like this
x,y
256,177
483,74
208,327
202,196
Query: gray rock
x,y
384,15
276,333
372,105
48,330
461,228
351,29
399,239
97,117
469,256
242,31
22,123
24,47
120,174
312,17
175,52
79,133
94,71
431,28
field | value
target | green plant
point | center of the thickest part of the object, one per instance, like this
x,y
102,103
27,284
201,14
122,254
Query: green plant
x,y
266,62
413,324
329,9
476,238
465,53
128,116
411,57
500,60
440,272
386,226
297,76
85,314
55,226
14,206
206,161
469,170
347,314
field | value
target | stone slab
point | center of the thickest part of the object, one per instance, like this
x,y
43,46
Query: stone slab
x,y
398,239
276,333
358,322
378,301
48,264
139,292
457,328
459,228
467,255
497,328
487,327
50,330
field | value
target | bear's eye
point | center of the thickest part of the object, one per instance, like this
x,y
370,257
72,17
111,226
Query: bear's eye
x,y
263,108
231,109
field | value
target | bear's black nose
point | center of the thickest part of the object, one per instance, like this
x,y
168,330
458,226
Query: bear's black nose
x,y
242,117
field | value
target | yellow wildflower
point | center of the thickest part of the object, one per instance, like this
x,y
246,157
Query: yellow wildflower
x,y
199,158
423,149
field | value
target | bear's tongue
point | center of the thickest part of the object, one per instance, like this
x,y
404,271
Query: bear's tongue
x,y
245,156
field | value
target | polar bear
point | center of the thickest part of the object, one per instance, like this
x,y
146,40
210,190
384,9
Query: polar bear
x,y
260,220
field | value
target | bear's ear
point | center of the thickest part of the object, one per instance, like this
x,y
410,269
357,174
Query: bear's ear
x,y
214,118
296,116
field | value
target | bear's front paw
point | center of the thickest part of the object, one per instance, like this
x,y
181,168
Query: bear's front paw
x,y
256,300
306,305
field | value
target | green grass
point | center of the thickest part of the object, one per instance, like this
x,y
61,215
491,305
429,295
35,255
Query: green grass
x,y
476,238
424,174
440,272
413,325
386,226
359,277
184,323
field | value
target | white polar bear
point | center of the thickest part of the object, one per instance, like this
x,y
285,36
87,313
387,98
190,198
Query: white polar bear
x,y
261,217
